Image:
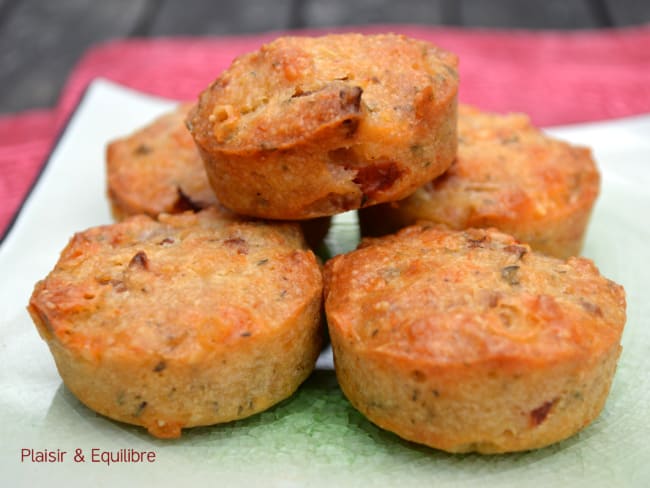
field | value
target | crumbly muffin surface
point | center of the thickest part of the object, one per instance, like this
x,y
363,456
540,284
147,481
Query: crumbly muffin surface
x,y
509,175
335,122
157,169
196,319
469,341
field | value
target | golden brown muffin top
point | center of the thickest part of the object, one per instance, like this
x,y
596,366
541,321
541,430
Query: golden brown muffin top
x,y
295,89
182,287
158,169
508,172
448,298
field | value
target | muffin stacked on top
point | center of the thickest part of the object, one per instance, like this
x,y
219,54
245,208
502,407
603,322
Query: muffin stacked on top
x,y
303,129
307,127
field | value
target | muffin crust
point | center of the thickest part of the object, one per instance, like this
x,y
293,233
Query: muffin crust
x,y
307,127
507,175
469,341
158,169
193,320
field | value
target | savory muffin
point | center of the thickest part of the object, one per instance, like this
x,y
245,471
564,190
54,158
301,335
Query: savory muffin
x,y
306,127
507,175
469,341
191,320
158,169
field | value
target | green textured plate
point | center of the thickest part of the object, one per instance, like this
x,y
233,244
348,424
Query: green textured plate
x,y
314,438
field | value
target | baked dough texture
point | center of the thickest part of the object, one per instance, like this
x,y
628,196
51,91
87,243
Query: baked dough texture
x,y
193,320
469,341
314,126
509,175
158,169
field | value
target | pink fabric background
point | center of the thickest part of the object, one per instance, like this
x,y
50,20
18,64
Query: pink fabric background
x,y
555,77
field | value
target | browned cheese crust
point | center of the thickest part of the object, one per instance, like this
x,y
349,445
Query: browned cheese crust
x,y
158,169
469,341
507,175
193,320
307,127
